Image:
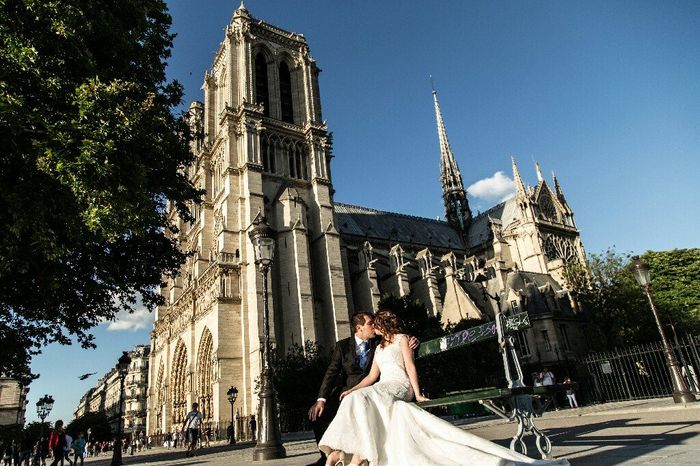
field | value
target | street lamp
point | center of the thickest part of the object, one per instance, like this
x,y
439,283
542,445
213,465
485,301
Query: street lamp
x,y
269,445
681,394
123,369
232,395
505,342
43,408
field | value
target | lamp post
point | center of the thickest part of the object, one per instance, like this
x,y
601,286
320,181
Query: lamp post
x,y
681,394
505,342
232,395
43,408
269,445
122,368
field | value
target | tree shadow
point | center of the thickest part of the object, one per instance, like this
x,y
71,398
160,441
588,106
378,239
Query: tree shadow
x,y
581,445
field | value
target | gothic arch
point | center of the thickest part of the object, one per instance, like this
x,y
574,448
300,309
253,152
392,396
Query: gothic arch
x,y
179,388
159,395
261,77
206,374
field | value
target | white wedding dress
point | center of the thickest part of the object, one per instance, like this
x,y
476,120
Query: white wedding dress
x,y
379,424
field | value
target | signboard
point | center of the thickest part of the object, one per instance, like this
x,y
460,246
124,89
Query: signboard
x,y
606,367
473,335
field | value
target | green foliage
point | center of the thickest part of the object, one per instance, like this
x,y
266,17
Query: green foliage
x,y
618,310
459,369
298,374
91,151
98,423
675,286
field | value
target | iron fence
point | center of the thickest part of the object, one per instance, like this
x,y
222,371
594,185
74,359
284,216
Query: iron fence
x,y
640,372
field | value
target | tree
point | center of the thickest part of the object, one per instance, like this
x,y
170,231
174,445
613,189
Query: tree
x,y
675,280
91,151
617,309
96,422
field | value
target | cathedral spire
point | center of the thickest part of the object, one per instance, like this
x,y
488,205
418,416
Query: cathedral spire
x,y
453,193
517,179
539,172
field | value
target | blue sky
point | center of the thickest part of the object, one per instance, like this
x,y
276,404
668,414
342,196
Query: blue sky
x,y
604,93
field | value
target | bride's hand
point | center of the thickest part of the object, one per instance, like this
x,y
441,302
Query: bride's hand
x,y
420,398
345,393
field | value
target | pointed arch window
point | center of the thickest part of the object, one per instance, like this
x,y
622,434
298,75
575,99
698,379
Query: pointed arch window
x,y
285,79
262,95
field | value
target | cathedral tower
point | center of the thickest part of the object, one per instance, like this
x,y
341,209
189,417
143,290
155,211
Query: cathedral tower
x,y
454,195
262,148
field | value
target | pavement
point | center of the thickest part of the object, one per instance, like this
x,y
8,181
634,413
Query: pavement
x,y
656,432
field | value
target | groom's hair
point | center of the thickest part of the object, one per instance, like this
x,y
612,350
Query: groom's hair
x,y
358,318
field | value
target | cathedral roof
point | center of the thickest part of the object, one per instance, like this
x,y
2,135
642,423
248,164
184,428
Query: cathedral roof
x,y
480,230
371,223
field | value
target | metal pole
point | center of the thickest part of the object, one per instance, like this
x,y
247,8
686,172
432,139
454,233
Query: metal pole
x,y
117,453
232,441
269,444
681,394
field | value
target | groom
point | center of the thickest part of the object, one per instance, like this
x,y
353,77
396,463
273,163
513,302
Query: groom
x,y
350,363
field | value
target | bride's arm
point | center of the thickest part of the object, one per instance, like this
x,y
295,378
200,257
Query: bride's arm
x,y
410,366
366,382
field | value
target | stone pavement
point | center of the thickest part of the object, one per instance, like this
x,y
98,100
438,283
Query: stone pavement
x,y
656,432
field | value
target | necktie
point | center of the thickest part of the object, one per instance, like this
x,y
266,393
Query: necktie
x,y
363,355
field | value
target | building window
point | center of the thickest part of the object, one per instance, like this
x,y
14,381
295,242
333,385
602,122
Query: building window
x,y
522,345
286,93
564,337
545,339
262,95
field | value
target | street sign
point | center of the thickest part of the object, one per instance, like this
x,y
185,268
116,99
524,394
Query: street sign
x,y
473,335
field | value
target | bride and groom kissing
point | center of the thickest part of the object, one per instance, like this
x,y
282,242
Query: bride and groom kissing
x,y
364,414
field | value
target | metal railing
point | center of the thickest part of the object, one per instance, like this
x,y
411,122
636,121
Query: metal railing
x,y
640,372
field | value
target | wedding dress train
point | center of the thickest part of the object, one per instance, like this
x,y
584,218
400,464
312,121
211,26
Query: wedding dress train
x,y
378,424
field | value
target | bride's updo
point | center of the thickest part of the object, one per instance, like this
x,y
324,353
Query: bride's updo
x,y
389,324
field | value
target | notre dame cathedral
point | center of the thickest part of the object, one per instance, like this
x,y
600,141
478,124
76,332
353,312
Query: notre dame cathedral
x,y
262,146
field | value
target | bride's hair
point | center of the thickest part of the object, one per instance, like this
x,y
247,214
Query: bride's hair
x,y
389,324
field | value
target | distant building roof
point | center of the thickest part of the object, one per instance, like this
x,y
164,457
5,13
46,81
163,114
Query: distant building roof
x,y
377,224
480,232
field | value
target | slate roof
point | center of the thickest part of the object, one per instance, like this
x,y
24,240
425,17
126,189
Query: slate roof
x,y
377,224
480,232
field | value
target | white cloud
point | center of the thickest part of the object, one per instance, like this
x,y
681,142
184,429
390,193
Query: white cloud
x,y
497,187
140,319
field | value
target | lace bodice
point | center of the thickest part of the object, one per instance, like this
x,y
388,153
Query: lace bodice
x,y
390,361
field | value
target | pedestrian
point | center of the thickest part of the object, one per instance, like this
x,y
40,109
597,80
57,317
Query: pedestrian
x,y
192,427
66,448
229,434
7,455
253,426
570,393
79,449
57,442
207,436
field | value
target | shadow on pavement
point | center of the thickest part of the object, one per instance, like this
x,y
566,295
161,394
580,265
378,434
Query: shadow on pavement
x,y
623,443
169,456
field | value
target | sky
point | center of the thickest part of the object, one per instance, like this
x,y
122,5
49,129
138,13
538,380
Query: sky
x,y
604,93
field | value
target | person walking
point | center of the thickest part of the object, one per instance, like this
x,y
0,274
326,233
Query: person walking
x,y
192,428
57,442
66,448
570,393
253,424
79,449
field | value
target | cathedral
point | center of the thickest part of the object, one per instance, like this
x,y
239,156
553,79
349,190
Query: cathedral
x,y
263,148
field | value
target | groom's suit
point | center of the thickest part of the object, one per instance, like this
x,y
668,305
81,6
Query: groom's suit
x,y
343,373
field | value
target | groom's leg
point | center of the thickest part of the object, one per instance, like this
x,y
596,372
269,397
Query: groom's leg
x,y
321,425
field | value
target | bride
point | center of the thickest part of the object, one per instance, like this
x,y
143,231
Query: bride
x,y
377,425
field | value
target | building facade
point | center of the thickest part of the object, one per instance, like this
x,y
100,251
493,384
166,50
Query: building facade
x,y
104,396
263,149
13,402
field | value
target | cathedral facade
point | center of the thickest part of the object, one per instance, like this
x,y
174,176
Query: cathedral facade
x,y
262,148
